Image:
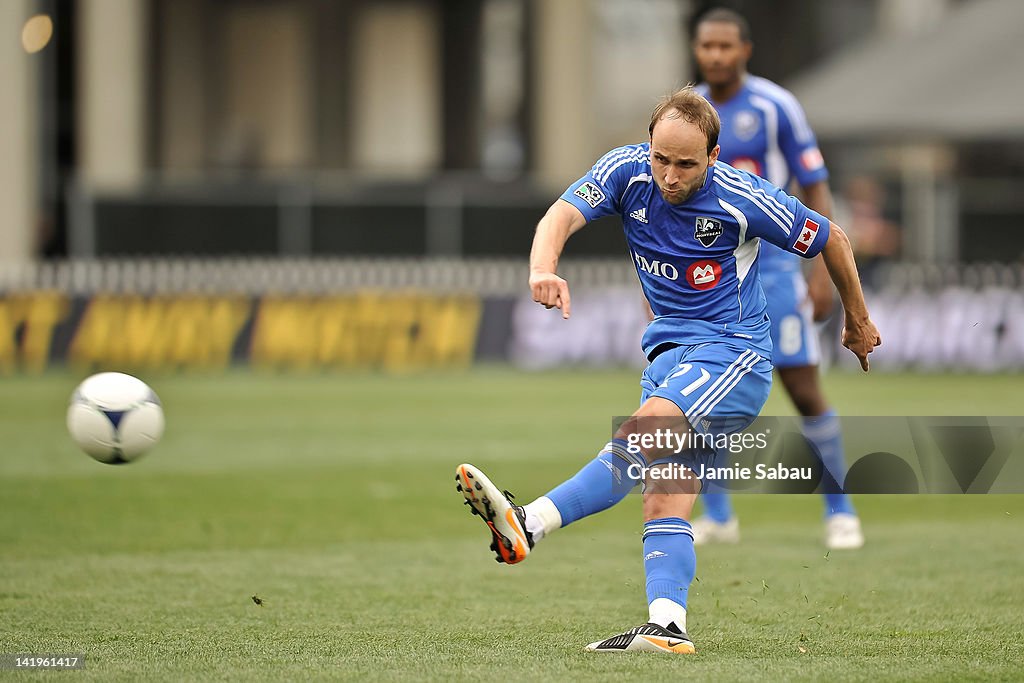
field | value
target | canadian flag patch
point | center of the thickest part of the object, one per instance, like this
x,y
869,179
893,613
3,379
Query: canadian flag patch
x,y
807,235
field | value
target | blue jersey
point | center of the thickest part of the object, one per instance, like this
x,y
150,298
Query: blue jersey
x,y
698,261
765,132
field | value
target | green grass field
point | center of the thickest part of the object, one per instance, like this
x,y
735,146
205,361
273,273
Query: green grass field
x,y
332,499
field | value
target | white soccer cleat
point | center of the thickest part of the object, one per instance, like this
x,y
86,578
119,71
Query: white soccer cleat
x,y
843,532
511,542
707,530
646,638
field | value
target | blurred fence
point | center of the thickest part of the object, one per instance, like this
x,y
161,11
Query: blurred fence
x,y
402,314
452,216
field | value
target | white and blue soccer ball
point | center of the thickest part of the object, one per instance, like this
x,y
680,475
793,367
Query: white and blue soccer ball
x,y
115,417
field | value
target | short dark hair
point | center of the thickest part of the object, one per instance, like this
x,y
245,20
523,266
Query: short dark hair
x,y
724,15
687,104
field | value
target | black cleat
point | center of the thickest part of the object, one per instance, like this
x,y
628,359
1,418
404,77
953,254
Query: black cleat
x,y
646,638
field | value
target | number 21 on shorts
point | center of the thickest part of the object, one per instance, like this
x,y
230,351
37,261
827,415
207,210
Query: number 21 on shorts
x,y
692,386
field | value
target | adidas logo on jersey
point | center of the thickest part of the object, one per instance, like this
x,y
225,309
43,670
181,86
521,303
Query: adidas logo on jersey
x,y
654,554
640,215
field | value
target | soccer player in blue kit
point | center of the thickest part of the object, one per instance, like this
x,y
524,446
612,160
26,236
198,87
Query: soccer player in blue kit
x,y
765,132
693,226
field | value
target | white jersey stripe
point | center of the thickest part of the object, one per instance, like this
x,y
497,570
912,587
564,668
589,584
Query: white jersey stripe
x,y
642,178
608,159
780,223
736,179
603,169
745,252
758,199
788,103
776,170
606,174
638,155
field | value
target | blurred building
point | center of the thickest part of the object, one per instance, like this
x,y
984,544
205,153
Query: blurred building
x,y
445,127
929,104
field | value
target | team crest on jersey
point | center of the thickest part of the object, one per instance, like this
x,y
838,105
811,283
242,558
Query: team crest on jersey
x,y
745,125
590,193
708,230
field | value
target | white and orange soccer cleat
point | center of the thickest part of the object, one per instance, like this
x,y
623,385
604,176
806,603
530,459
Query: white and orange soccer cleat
x,y
510,540
646,638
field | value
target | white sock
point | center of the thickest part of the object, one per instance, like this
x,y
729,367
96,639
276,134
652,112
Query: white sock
x,y
542,517
664,612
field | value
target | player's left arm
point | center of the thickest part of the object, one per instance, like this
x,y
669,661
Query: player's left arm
x,y
805,162
859,333
818,197
784,221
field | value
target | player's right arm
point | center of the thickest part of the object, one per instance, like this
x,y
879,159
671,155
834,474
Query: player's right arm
x,y
818,198
554,229
594,195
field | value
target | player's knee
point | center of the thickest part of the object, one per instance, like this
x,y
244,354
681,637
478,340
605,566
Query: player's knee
x,y
660,506
657,430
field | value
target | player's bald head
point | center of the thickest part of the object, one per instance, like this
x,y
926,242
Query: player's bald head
x,y
687,105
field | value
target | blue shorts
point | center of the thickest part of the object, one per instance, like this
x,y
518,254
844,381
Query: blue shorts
x,y
794,338
720,387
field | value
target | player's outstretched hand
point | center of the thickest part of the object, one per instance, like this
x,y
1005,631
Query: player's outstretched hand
x,y
551,291
861,337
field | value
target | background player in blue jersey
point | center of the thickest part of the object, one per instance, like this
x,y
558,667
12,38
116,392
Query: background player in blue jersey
x,y
765,131
693,227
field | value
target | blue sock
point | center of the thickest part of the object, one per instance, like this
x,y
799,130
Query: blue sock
x,y
601,483
825,434
670,562
717,506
